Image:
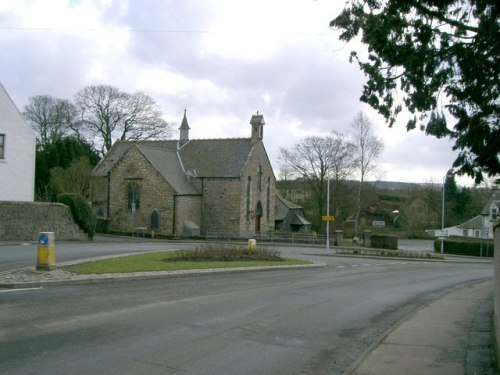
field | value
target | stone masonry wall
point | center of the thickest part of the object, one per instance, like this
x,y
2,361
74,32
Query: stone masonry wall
x,y
187,208
265,173
22,221
155,194
221,204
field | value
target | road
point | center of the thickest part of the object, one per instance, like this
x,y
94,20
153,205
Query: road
x,y
310,321
17,255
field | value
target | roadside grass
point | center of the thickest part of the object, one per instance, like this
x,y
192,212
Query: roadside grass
x,y
172,261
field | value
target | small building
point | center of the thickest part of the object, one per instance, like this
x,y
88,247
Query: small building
x,y
290,217
187,186
480,226
17,153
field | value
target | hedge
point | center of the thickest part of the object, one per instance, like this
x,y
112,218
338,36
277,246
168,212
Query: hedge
x,y
81,212
384,241
464,246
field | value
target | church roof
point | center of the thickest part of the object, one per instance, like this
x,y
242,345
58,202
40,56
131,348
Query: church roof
x,y
216,157
220,158
165,161
120,148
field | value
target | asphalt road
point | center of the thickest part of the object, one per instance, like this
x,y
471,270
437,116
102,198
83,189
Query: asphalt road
x,y
311,321
17,255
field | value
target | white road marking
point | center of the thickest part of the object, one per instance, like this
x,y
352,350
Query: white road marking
x,y
19,289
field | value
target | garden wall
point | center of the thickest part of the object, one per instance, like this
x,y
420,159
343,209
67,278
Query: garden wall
x,y
22,221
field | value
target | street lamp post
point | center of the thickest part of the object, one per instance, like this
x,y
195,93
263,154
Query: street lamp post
x,y
442,215
328,207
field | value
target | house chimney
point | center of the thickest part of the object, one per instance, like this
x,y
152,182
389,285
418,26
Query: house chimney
x,y
257,122
184,131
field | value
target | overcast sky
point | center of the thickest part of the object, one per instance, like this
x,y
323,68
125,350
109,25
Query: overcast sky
x,y
222,60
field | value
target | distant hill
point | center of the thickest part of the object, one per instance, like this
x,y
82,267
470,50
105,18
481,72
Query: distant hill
x,y
392,185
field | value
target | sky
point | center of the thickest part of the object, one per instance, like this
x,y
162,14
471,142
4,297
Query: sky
x,y
221,60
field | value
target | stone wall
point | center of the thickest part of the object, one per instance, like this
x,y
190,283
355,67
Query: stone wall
x,y
187,208
258,168
22,221
155,195
221,205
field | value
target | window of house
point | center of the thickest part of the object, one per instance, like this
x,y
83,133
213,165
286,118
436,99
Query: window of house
x,y
2,146
477,233
494,213
133,196
465,233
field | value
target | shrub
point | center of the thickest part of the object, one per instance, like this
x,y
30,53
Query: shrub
x,y
383,241
225,252
81,212
102,225
465,246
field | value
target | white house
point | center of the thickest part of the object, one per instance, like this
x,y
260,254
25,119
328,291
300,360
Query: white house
x,y
17,153
480,226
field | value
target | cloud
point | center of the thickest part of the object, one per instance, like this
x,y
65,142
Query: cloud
x,y
221,60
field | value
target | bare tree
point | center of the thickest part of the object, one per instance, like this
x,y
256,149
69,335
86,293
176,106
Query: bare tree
x,y
317,158
51,118
110,114
367,150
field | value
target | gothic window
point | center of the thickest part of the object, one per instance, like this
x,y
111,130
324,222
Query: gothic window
x,y
249,185
259,179
268,197
155,220
133,196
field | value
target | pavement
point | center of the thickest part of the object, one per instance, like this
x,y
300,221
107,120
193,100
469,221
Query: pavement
x,y
450,336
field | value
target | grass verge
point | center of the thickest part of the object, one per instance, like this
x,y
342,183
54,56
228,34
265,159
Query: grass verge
x,y
162,261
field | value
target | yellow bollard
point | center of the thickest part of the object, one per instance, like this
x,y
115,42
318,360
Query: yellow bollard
x,y
252,244
46,259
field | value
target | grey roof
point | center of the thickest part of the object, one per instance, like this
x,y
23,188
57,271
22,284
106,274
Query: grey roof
x,y
283,207
204,157
474,223
493,201
299,220
165,161
287,203
216,157
120,148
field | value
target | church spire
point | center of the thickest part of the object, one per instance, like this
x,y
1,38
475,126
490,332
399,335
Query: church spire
x,y
184,131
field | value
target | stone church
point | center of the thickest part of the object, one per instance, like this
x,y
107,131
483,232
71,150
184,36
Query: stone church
x,y
187,187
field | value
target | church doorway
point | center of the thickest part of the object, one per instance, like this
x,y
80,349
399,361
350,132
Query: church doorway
x,y
258,215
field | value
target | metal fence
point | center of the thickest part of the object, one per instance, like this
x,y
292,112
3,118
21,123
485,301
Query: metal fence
x,y
270,238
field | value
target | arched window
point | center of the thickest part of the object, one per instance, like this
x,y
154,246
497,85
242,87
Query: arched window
x,y
155,220
268,198
259,179
133,196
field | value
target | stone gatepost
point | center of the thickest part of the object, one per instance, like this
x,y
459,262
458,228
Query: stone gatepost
x,y
367,238
339,237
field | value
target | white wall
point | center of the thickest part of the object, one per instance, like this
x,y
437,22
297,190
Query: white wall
x,y
17,168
